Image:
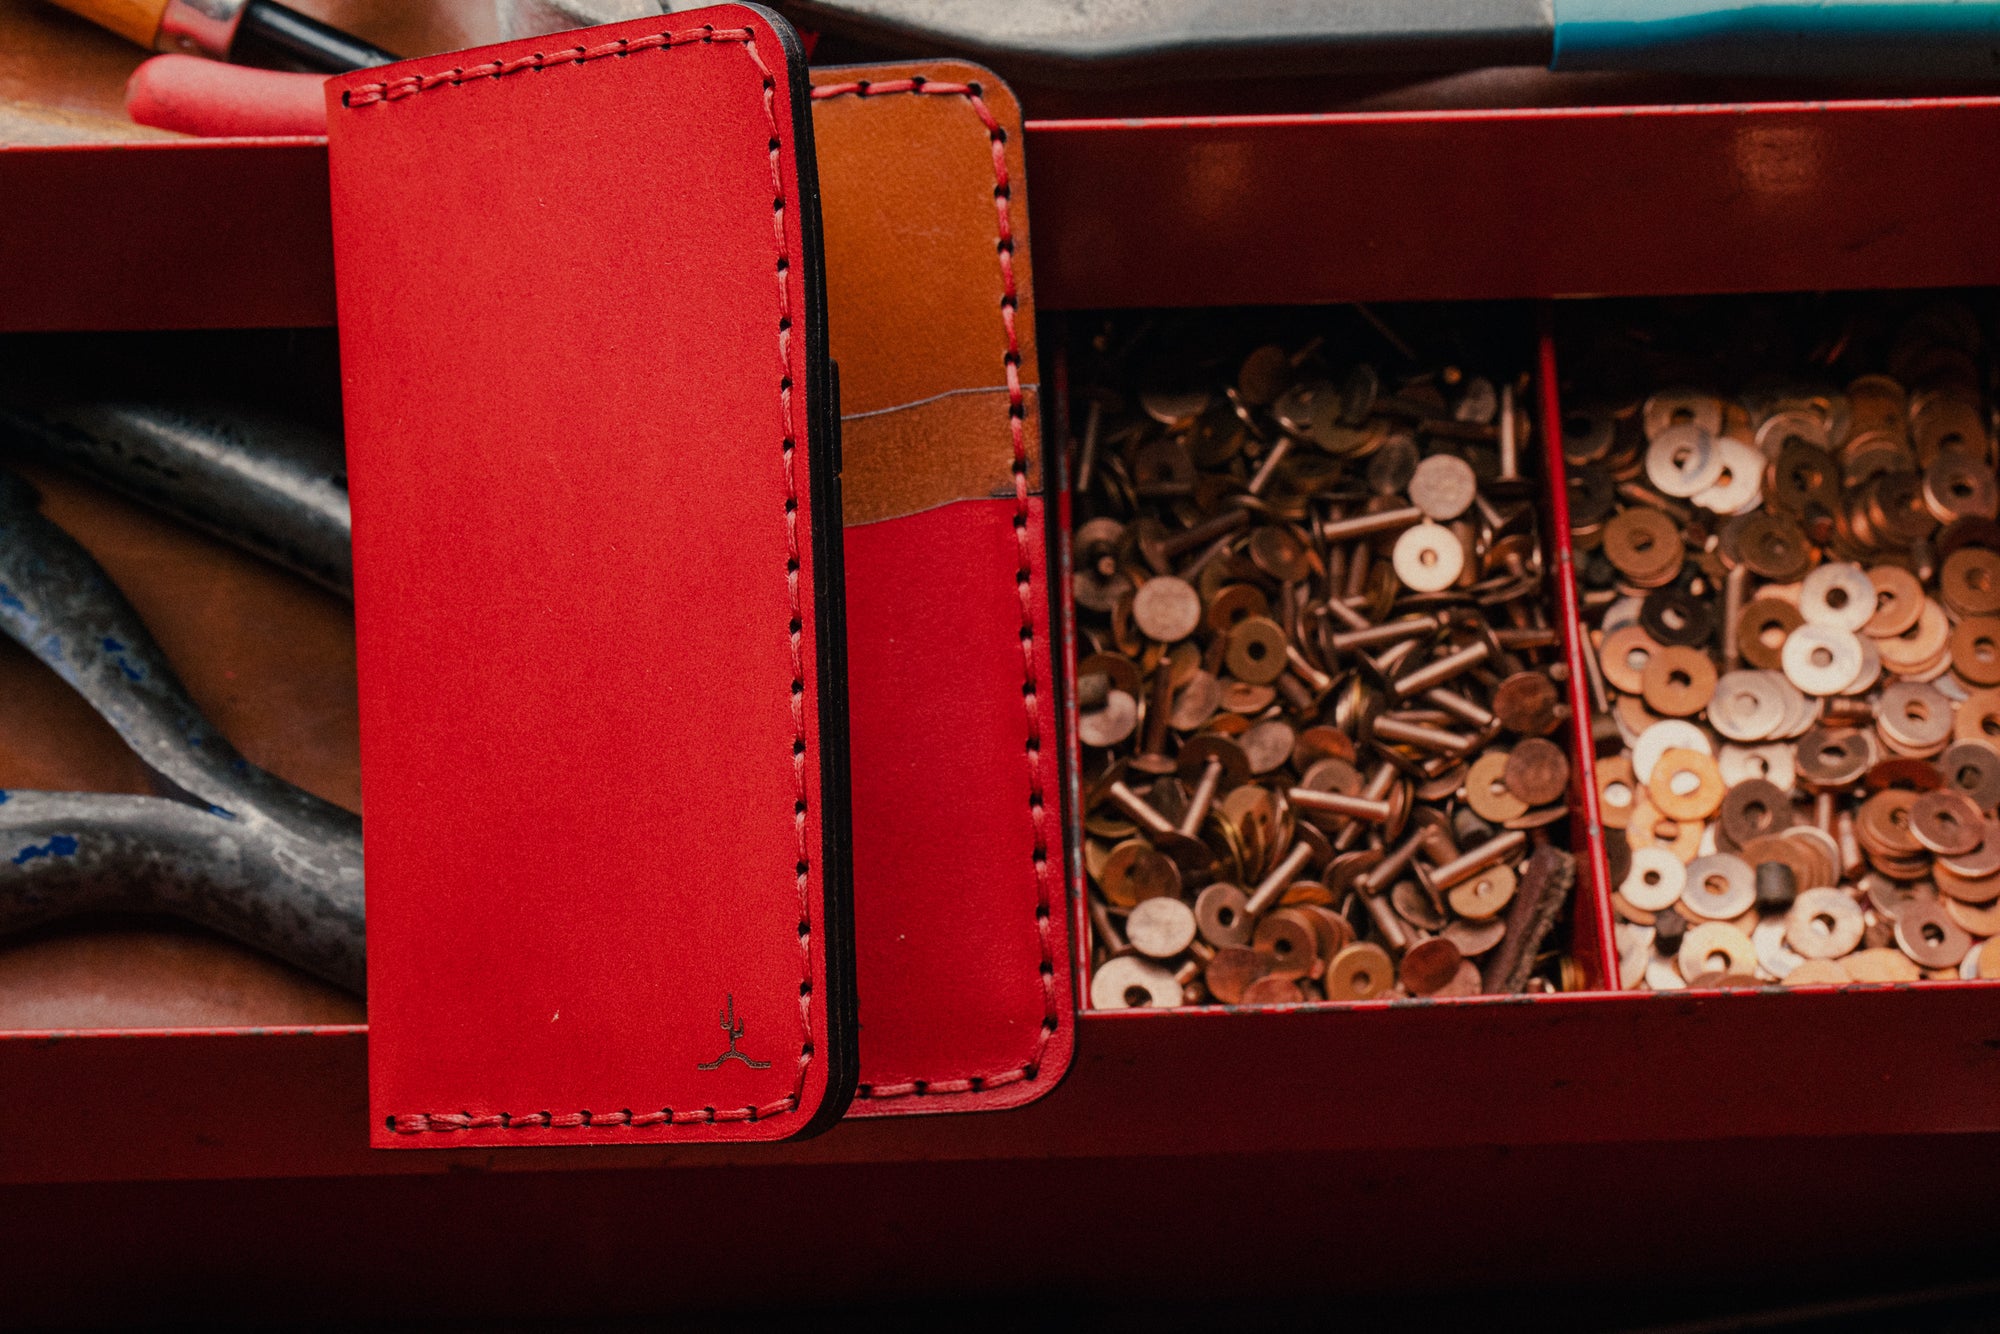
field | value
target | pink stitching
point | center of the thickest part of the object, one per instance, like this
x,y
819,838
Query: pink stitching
x,y
394,90
1023,582
783,272
446,1122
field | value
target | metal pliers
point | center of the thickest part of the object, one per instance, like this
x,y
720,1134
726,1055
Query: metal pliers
x,y
226,845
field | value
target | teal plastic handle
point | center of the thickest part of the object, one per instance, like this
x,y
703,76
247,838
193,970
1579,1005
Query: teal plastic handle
x,y
1926,39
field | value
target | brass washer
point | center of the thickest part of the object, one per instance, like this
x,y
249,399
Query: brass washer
x,y
1882,824
1899,601
1978,919
1823,924
1926,932
1966,889
1702,943
1256,652
1428,558
1160,928
1970,581
1773,547
1683,461
1616,792
1644,545
1975,650
1679,681
1686,786
1623,656
1738,887
1649,827
1747,706
1130,982
1821,660
1947,823
1915,716
1680,404
1359,972
1484,895
1978,717
1837,594
1973,767
1656,880
1920,645
1763,621
1486,789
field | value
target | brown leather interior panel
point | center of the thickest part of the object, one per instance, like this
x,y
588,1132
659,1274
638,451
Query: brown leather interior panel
x,y
906,325
910,459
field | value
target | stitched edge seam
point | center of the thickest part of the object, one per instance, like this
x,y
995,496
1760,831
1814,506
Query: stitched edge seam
x,y
397,89
1023,581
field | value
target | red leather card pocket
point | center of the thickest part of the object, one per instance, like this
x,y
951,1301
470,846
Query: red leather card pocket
x,y
592,448
960,909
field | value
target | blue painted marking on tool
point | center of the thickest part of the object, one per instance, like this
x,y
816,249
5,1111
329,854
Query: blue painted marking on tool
x,y
59,845
117,652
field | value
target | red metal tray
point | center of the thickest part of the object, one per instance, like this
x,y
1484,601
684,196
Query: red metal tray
x,y
1251,210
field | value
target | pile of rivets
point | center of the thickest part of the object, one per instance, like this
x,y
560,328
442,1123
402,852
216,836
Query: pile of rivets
x,y
1796,596
1317,684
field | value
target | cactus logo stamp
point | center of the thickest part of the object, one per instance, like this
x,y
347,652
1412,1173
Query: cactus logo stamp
x,y
734,1028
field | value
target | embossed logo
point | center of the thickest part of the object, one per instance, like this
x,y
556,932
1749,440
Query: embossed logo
x,y
734,1028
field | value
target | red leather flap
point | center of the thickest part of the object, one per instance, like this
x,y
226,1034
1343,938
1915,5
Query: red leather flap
x,y
597,588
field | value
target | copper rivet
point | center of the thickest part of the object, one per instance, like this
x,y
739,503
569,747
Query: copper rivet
x,y
1537,771
1316,623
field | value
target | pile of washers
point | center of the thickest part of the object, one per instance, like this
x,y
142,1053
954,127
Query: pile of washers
x,y
1797,667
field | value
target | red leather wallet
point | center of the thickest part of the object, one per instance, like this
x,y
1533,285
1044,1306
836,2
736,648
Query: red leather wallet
x,y
581,842
961,927
593,455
